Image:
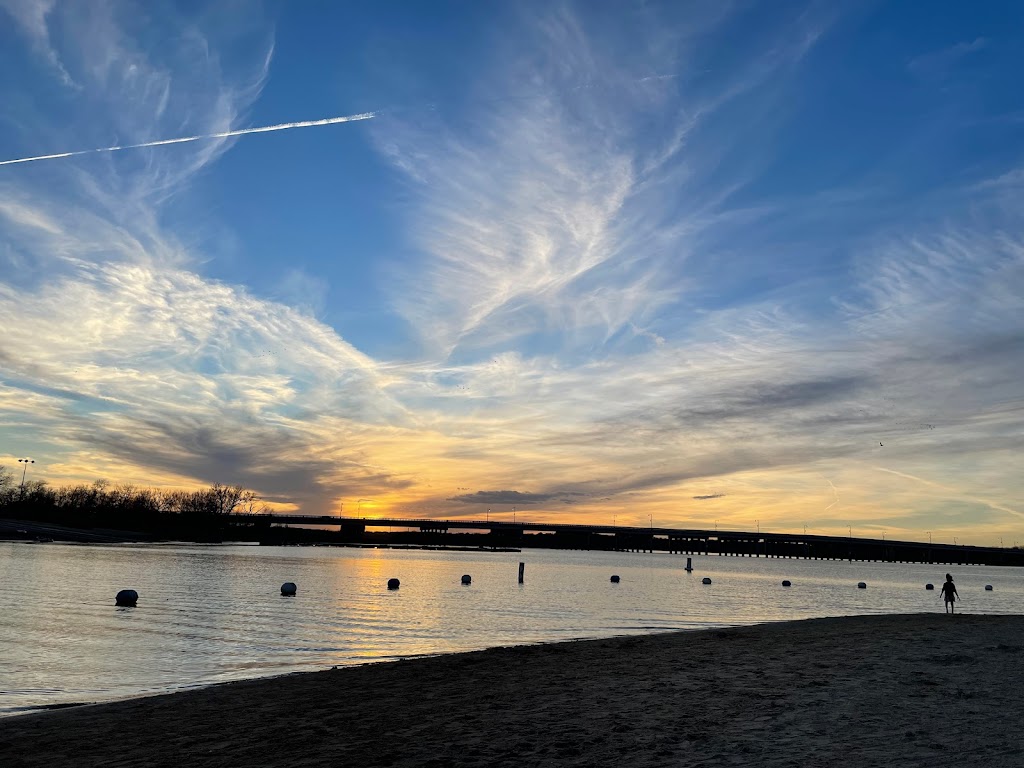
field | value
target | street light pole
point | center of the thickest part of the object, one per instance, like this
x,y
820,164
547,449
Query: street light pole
x,y
25,462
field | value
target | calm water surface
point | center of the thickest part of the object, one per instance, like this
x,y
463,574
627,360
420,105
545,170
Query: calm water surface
x,y
213,613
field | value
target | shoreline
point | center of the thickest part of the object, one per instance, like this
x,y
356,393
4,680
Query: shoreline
x,y
912,689
203,685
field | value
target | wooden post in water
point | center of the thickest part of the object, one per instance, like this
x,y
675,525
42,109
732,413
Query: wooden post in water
x,y
689,565
522,567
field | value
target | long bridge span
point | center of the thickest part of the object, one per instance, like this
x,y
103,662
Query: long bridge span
x,y
650,539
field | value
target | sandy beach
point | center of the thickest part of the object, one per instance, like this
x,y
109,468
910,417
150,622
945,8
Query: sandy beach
x,y
923,690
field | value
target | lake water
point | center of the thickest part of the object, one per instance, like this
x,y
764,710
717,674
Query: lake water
x,y
208,614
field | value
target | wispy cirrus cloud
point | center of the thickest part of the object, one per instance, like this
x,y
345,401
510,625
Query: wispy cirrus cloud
x,y
124,347
566,211
163,368
935,63
582,257
612,307
31,18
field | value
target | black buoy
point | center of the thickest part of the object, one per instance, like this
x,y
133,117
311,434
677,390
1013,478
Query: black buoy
x,y
127,598
394,583
288,589
689,565
705,580
615,579
929,586
467,579
787,583
988,587
861,585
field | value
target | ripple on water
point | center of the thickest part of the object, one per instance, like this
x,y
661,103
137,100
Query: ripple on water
x,y
210,614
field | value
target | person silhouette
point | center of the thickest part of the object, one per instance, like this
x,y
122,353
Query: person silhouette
x,y
949,593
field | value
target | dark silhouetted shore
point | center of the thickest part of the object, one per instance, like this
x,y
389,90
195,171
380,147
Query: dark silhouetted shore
x,y
924,690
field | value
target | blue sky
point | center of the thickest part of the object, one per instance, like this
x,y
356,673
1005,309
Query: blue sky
x,y
728,262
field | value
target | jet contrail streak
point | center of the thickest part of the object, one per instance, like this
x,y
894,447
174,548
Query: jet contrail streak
x,y
836,501
183,140
955,491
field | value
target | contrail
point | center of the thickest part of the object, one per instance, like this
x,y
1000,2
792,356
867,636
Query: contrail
x,y
184,139
833,491
955,491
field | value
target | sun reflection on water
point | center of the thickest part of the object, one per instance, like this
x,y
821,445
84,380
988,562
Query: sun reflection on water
x,y
208,614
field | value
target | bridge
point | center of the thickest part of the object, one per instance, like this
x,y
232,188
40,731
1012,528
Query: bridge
x,y
683,541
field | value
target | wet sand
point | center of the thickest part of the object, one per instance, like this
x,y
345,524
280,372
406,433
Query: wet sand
x,y
925,690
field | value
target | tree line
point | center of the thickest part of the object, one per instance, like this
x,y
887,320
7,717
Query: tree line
x,y
125,506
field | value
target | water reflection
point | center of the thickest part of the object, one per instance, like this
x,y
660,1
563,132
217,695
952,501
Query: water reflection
x,y
208,614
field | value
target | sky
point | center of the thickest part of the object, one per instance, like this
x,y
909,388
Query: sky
x,y
674,263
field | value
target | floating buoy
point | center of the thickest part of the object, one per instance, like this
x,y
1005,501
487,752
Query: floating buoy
x,y
288,589
705,580
988,587
929,586
394,583
787,583
689,565
861,585
467,579
127,598
615,579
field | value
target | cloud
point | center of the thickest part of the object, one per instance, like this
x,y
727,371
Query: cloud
x,y
623,364
598,312
937,63
552,209
512,497
763,397
758,400
160,367
1008,180
31,17
304,292
126,350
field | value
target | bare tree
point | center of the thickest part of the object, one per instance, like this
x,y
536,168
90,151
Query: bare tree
x,y
7,485
225,498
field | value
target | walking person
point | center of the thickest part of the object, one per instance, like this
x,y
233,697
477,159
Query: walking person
x,y
949,593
